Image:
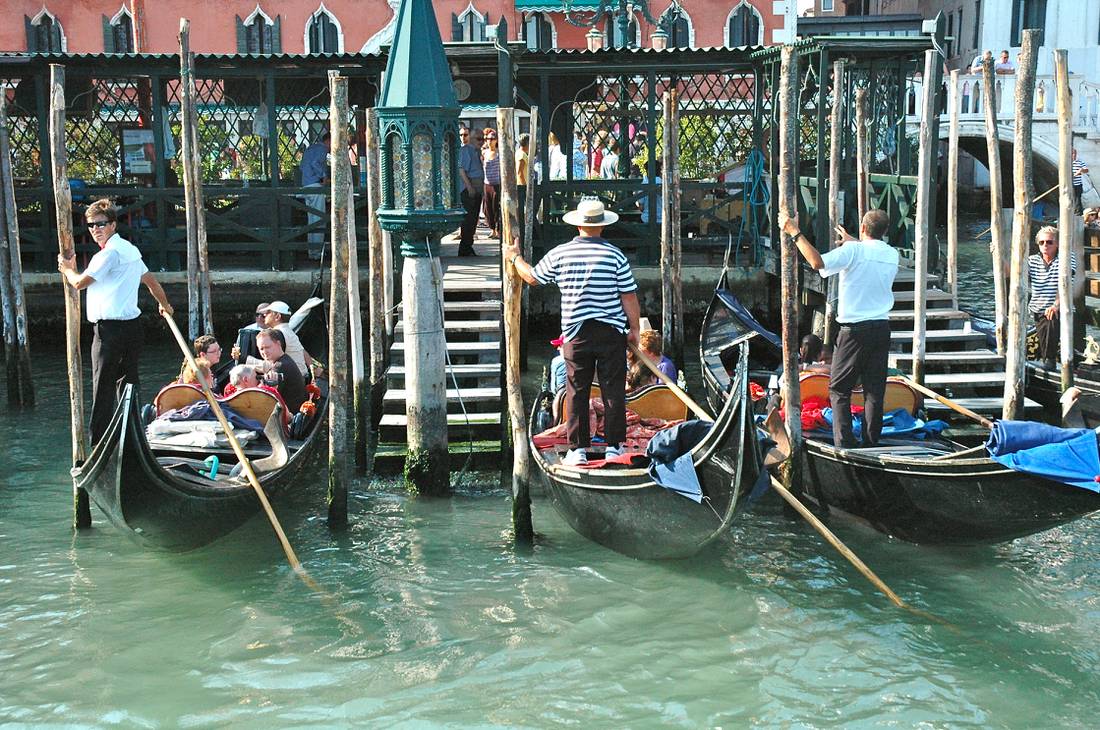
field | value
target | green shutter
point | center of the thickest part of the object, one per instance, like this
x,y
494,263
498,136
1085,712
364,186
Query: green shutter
x,y
242,38
32,36
456,29
55,37
277,35
108,35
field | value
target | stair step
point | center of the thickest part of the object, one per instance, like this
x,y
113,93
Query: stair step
x,y
985,406
965,357
463,325
458,348
469,370
480,305
470,285
469,395
974,380
931,295
939,336
453,419
901,315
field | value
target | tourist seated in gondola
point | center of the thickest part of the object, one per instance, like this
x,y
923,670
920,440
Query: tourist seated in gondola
x,y
1043,270
279,369
277,316
207,347
190,377
245,347
637,374
557,366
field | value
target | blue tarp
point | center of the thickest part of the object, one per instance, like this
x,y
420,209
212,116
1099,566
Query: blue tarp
x,y
734,304
201,411
671,464
1066,455
898,422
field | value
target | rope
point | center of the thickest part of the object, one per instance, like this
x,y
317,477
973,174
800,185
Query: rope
x,y
754,194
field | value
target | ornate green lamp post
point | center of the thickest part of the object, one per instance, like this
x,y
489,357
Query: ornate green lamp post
x,y
418,131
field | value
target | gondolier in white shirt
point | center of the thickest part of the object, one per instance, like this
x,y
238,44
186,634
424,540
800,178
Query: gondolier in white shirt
x,y
867,269
112,280
599,315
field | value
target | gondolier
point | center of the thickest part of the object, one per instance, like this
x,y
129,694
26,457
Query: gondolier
x,y
112,279
599,315
867,269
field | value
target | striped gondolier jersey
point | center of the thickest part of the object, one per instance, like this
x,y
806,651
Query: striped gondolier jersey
x,y
1078,166
1044,281
592,275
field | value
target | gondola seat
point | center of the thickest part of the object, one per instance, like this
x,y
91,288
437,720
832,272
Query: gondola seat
x,y
898,392
254,403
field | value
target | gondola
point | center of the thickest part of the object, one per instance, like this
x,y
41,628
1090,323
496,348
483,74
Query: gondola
x,y
163,495
935,490
627,511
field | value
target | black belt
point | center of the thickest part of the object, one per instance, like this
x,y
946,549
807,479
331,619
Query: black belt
x,y
865,324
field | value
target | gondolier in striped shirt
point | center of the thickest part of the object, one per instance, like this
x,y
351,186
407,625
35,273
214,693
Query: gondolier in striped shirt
x,y
599,315
1045,306
1080,169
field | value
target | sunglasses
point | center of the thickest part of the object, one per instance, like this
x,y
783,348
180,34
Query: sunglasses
x,y
98,224
1048,241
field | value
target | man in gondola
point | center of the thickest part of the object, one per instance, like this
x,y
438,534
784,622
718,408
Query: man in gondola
x,y
112,280
599,316
867,269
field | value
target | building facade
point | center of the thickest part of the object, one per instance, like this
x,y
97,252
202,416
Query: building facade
x,y
348,26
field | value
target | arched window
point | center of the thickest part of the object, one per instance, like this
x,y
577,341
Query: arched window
x,y
323,33
615,38
744,27
44,33
468,26
118,32
538,32
676,22
258,33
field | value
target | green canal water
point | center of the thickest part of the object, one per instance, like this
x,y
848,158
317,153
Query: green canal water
x,y
432,618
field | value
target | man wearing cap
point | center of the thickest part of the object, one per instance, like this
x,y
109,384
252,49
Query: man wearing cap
x,y
599,316
277,316
245,346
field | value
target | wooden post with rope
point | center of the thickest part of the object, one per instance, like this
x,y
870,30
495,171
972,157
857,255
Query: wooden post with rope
x,y
377,262
512,285
952,277
63,205
1069,224
922,240
16,340
997,248
836,131
789,259
1016,348
338,306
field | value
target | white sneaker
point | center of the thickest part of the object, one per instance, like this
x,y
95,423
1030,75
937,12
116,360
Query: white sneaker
x,y
575,457
613,451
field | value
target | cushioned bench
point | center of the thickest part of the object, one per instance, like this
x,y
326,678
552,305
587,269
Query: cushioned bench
x,y
253,403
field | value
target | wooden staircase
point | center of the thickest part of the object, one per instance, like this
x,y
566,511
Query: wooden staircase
x,y
472,324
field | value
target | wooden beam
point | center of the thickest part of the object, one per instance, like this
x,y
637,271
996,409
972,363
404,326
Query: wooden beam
x,y
188,143
672,298
925,171
953,187
1069,224
836,146
1016,349
338,306
789,262
998,248
359,387
863,155
16,342
376,289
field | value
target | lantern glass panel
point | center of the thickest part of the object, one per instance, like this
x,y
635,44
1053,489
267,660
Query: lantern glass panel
x,y
397,166
446,173
422,173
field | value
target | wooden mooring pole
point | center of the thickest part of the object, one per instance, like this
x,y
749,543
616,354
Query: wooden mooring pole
x,y
376,289
925,171
200,317
672,298
63,205
1016,351
953,187
338,306
863,155
16,340
836,132
513,285
997,248
528,204
1069,224
360,391
789,261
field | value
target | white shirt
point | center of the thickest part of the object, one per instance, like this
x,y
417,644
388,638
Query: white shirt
x,y
117,270
609,166
867,270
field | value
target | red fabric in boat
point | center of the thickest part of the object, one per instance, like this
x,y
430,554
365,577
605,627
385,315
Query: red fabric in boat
x,y
638,432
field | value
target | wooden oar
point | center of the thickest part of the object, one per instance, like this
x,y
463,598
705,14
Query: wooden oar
x,y
246,465
833,540
676,389
947,402
987,230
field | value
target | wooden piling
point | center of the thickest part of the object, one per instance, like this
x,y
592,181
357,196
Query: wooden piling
x,y
836,133
925,171
863,155
528,204
953,101
17,342
789,261
1016,349
513,286
63,206
998,249
360,391
672,298
200,317
1069,224
376,289
338,306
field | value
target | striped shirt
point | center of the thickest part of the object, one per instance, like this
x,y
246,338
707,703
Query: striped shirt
x,y
592,275
492,170
1078,167
1044,281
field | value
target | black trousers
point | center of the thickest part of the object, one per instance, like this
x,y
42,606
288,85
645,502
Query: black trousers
x,y
861,355
1048,331
1078,191
472,204
597,349
116,351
